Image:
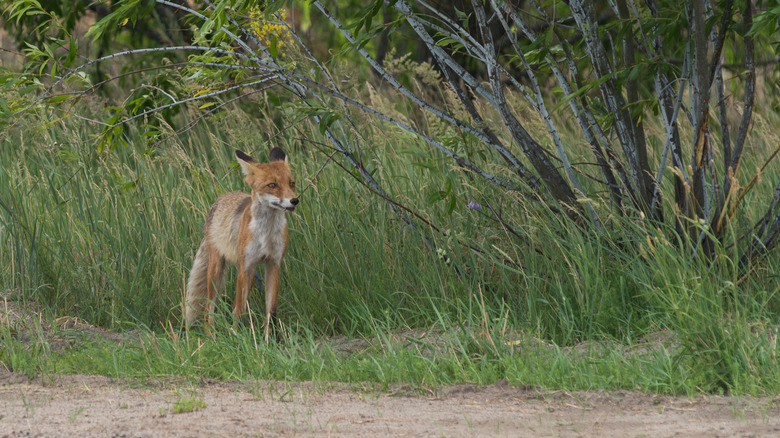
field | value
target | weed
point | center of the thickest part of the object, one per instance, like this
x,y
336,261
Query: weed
x,y
188,404
75,414
29,407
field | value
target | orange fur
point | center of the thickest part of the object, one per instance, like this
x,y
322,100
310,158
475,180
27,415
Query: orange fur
x,y
244,229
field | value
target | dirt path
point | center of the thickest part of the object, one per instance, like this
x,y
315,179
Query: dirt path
x,y
96,406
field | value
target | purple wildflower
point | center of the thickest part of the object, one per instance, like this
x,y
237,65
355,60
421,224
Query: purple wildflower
x,y
258,281
475,205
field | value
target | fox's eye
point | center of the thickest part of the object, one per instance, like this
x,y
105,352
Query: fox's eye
x,y
292,185
272,186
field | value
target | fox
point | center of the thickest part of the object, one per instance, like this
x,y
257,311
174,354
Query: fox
x,y
244,229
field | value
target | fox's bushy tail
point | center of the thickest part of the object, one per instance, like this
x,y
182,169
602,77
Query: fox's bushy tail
x,y
197,299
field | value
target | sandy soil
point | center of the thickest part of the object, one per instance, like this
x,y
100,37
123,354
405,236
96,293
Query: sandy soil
x,y
96,406
92,406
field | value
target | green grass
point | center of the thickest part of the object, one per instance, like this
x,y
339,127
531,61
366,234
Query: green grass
x,y
109,238
188,404
388,360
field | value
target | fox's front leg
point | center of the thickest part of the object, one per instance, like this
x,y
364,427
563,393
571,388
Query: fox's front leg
x,y
243,284
272,271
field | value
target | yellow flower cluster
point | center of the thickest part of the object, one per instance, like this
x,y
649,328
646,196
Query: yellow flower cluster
x,y
269,32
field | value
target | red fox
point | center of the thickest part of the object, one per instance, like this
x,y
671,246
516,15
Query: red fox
x,y
244,229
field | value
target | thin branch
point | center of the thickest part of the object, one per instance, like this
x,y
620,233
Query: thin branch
x,y
583,13
458,159
72,72
732,166
750,88
591,130
671,130
189,125
541,108
192,99
511,159
227,32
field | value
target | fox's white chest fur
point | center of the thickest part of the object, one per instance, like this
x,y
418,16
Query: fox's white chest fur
x,y
267,227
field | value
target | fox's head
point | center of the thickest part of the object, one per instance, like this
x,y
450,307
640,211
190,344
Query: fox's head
x,y
272,183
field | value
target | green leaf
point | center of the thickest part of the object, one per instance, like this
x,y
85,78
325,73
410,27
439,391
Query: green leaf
x,y
128,9
582,90
60,98
273,49
73,50
204,30
327,120
453,204
548,37
5,110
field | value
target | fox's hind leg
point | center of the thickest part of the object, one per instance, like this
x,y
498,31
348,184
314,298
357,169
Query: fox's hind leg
x,y
215,282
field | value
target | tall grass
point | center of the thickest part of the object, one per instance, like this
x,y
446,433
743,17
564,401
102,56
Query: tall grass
x,y
110,237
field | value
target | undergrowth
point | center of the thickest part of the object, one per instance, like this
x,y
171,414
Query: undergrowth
x,y
511,291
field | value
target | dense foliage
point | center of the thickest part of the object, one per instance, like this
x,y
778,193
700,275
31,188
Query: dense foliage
x,y
575,170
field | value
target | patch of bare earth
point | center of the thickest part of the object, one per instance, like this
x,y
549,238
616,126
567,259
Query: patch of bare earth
x,y
73,405
97,406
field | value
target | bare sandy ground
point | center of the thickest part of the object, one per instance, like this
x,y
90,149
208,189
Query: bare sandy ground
x,y
92,406
66,406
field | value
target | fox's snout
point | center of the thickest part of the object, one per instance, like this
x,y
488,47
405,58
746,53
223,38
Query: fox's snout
x,y
293,203
286,204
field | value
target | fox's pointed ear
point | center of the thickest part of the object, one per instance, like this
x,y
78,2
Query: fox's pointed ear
x,y
276,154
243,157
244,160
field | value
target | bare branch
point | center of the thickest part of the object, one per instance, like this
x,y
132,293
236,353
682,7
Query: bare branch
x,y
543,111
633,147
265,79
72,72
